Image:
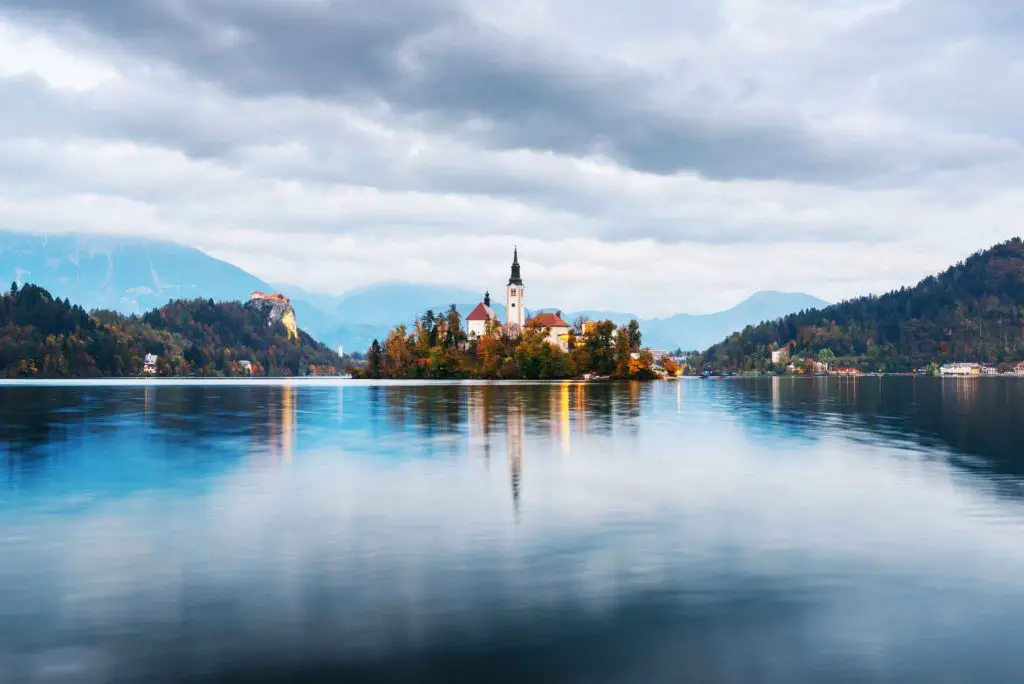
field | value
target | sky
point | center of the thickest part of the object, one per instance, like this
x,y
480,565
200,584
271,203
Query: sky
x,y
653,156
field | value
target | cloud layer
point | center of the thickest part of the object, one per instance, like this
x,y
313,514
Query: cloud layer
x,y
648,156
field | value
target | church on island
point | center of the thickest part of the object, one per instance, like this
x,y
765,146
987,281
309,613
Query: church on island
x,y
484,320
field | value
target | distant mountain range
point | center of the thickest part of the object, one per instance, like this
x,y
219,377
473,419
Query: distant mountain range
x,y
135,275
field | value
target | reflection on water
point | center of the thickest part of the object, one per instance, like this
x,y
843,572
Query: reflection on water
x,y
773,530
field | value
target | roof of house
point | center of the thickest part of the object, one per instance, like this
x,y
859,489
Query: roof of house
x,y
481,313
548,320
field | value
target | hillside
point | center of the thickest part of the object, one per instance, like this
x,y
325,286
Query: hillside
x,y
697,331
133,275
973,311
45,337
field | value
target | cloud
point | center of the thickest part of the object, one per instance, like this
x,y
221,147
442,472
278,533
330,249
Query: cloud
x,y
739,133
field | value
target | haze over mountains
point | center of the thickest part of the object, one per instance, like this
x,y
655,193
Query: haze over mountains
x,y
135,275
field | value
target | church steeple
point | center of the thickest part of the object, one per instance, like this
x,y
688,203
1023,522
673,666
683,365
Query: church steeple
x,y
515,278
515,311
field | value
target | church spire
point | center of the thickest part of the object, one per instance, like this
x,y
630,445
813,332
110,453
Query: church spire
x,y
516,278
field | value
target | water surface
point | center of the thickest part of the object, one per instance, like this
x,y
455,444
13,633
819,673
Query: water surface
x,y
772,530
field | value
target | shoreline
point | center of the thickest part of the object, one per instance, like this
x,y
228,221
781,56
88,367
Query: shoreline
x,y
332,381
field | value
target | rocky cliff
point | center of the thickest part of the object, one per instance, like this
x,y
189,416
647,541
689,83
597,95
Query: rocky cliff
x,y
278,309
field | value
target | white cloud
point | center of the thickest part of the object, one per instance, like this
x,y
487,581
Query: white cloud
x,y
31,53
652,161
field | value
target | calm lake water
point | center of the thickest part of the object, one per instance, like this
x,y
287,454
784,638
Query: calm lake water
x,y
772,530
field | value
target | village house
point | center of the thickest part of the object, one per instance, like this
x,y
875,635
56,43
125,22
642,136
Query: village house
x,y
149,364
780,355
558,330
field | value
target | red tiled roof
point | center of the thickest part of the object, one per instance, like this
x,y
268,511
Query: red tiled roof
x,y
548,320
481,313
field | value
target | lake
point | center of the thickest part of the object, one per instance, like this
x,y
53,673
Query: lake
x,y
763,530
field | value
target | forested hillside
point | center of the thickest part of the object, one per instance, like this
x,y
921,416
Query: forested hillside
x,y
46,337
973,311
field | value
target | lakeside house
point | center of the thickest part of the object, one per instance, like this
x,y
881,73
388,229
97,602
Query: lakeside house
x,y
780,355
960,369
149,364
558,329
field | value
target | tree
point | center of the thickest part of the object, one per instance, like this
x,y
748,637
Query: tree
x,y
453,328
373,358
633,334
826,358
396,358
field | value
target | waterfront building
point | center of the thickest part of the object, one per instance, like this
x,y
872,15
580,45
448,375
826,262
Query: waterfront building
x,y
960,369
149,364
477,321
558,329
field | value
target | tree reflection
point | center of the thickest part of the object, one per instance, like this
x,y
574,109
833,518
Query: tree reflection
x,y
979,417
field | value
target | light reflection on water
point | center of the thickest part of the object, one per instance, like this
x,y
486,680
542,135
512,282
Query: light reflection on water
x,y
768,530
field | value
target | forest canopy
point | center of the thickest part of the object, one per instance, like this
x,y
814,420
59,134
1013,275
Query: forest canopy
x,y
46,337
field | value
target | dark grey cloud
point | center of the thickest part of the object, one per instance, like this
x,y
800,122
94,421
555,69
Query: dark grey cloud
x,y
434,62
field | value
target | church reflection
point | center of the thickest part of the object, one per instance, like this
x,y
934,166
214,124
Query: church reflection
x,y
515,427
281,425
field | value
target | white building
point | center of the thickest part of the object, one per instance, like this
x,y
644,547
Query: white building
x,y
245,366
476,322
960,369
515,311
558,330
780,355
149,364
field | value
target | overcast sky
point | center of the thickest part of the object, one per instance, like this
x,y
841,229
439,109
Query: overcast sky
x,y
651,155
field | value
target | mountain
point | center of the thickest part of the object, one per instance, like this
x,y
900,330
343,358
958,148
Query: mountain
x,y
369,313
126,275
134,275
45,337
392,303
973,311
698,331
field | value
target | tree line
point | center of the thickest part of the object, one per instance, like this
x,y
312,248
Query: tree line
x,y
436,346
46,337
973,311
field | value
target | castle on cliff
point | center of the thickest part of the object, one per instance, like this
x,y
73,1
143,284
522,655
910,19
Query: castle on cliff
x,y
278,308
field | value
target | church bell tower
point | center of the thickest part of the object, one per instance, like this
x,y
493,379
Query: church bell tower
x,y
515,313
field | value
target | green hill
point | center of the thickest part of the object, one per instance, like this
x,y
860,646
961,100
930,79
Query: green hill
x,y
46,337
974,311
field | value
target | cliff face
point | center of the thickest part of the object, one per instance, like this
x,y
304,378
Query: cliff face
x,y
277,309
